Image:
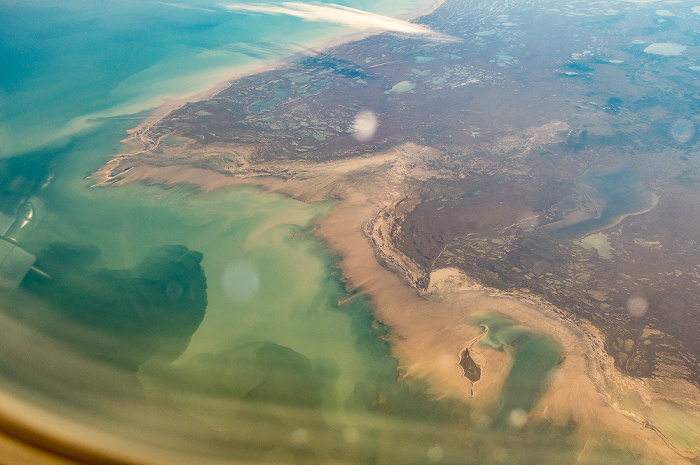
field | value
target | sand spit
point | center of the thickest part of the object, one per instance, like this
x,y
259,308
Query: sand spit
x,y
430,328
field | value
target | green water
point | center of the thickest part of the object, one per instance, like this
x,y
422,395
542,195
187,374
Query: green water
x,y
276,372
535,356
274,349
266,279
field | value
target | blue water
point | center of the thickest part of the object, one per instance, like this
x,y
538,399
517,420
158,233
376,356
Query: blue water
x,y
617,193
67,64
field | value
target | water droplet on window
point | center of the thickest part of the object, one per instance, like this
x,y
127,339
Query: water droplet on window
x,y
240,281
351,435
637,306
364,126
299,436
517,417
682,130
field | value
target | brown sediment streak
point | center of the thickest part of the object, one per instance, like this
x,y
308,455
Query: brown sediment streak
x,y
340,303
426,329
138,140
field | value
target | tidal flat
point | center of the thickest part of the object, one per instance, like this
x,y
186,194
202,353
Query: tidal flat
x,y
277,368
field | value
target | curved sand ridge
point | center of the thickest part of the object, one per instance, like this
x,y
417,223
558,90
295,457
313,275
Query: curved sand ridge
x,y
430,328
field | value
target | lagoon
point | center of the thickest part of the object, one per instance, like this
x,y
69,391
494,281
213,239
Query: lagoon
x,y
534,355
614,192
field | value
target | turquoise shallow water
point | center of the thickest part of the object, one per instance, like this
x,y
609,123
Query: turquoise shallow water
x,y
274,357
77,75
276,370
535,356
67,64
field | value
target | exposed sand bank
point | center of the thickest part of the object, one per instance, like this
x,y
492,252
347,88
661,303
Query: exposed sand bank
x,y
429,329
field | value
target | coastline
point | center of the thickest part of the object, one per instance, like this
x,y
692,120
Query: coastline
x,y
428,332
135,137
430,328
427,326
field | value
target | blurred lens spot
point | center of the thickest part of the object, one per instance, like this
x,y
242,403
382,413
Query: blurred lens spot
x,y
351,435
240,281
551,376
682,130
299,436
637,306
435,454
517,417
364,126
174,291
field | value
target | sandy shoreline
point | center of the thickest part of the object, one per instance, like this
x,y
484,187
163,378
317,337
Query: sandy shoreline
x,y
429,329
